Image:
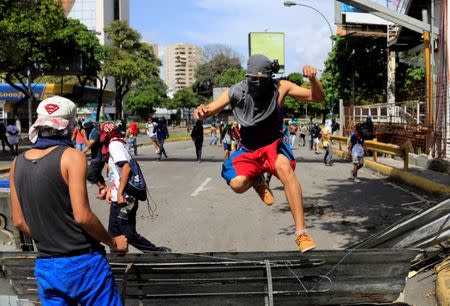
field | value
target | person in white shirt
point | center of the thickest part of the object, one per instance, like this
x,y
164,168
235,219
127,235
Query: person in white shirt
x,y
152,134
122,215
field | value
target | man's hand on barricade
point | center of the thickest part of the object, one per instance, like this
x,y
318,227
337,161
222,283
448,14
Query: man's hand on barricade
x,y
120,244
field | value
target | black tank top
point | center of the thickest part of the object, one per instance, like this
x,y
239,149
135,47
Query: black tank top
x,y
45,201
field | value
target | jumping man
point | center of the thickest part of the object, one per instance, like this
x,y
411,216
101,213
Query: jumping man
x,y
257,104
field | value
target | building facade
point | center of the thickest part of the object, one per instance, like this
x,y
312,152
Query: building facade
x,y
180,64
97,14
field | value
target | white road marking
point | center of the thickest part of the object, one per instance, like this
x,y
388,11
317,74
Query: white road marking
x,y
201,187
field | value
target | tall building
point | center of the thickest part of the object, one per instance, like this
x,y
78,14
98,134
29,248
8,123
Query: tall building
x,y
97,14
180,63
153,47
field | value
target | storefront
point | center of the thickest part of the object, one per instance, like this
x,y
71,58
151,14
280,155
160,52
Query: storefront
x,y
85,98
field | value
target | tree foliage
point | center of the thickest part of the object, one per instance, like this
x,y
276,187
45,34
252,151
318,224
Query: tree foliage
x,y
36,37
410,80
210,51
127,60
229,77
145,96
184,98
362,59
209,72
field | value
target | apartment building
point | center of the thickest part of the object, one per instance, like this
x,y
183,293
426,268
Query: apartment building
x,y
180,63
97,14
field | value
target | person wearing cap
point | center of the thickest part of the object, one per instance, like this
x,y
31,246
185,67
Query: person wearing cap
x,y
96,164
49,203
123,209
257,104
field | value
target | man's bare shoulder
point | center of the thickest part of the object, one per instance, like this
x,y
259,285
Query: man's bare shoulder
x,y
72,155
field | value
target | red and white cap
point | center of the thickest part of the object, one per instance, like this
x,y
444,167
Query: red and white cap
x,y
55,113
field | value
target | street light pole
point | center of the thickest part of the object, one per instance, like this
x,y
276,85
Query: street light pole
x,y
292,3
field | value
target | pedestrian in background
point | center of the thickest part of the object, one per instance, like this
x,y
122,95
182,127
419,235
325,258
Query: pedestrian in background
x,y
197,138
356,153
235,136
162,133
303,131
152,134
96,163
293,133
49,203
213,139
4,138
131,136
13,136
226,139
325,135
79,136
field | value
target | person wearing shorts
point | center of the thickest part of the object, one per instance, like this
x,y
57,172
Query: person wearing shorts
x,y
356,149
257,104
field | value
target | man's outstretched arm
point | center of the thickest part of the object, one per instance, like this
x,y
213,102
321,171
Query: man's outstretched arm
x,y
314,94
205,111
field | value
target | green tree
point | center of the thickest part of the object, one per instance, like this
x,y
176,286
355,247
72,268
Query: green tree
x,y
207,73
145,96
229,77
410,80
185,98
127,60
37,38
31,35
360,61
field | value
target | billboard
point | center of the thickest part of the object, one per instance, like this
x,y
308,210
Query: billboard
x,y
271,44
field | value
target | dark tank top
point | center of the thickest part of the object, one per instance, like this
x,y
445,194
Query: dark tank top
x,y
45,201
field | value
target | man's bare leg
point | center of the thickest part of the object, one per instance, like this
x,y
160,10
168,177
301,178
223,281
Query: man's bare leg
x,y
240,184
292,190
293,193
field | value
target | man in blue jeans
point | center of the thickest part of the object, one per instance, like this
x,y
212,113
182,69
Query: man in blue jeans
x,y
49,203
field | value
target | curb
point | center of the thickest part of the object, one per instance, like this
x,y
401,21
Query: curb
x,y
443,283
404,176
408,178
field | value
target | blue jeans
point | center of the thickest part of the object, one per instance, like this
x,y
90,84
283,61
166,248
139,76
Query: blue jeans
x,y
84,279
80,146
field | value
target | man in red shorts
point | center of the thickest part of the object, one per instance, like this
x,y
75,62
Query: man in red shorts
x,y
257,104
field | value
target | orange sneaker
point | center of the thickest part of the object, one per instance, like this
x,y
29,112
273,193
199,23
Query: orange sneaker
x,y
305,242
263,190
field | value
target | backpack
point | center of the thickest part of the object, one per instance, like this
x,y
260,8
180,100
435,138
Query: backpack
x,y
136,186
364,130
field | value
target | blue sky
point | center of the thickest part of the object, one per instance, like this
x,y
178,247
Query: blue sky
x,y
203,22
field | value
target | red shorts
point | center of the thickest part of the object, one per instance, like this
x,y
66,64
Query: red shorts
x,y
252,164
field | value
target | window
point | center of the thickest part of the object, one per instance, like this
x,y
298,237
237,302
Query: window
x,y
116,10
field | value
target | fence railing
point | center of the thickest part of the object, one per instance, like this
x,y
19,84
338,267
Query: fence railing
x,y
408,112
378,147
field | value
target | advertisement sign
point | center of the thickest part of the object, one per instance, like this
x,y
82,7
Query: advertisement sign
x,y
271,44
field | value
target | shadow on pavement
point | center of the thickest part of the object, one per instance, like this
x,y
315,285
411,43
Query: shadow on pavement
x,y
352,209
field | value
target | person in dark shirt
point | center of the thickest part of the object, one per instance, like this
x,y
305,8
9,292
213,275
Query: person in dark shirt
x,y
197,138
49,203
4,138
257,104
97,163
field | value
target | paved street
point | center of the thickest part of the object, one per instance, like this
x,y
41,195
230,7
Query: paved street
x,y
197,211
